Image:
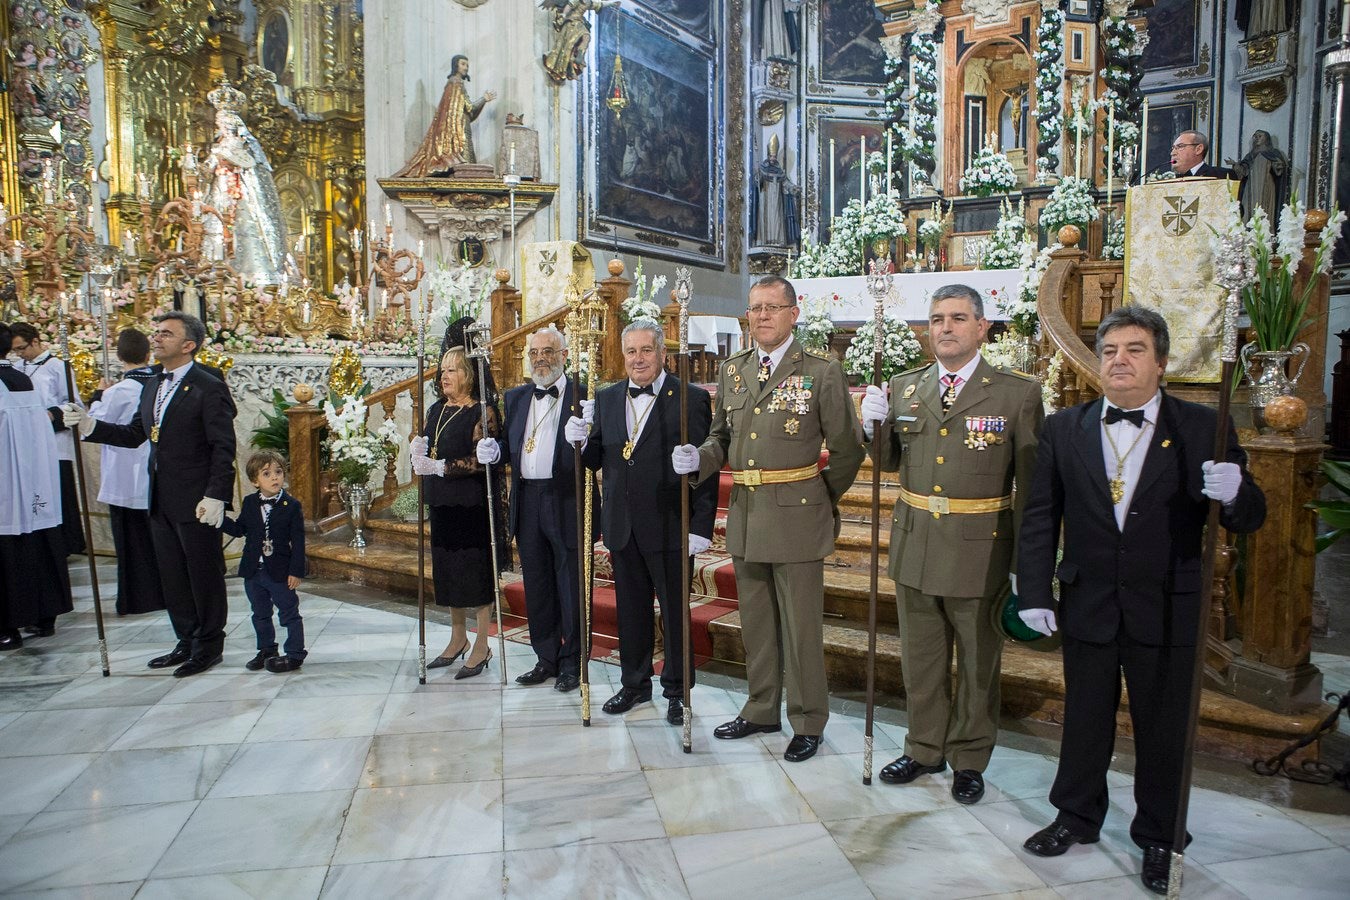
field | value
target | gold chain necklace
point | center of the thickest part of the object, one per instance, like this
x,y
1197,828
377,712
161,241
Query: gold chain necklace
x,y
637,425
1118,483
441,423
529,442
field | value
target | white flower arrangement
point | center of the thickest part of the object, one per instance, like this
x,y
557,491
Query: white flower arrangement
x,y
1007,245
1113,247
989,172
815,327
919,143
643,304
1070,203
453,293
900,349
812,261
932,229
1049,60
352,448
1021,309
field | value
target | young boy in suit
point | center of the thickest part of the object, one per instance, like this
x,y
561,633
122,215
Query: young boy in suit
x,y
272,525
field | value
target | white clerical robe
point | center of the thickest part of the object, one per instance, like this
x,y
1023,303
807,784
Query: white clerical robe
x,y
30,488
125,471
48,374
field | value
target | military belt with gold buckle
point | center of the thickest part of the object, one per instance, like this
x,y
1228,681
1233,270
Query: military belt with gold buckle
x,y
945,506
756,477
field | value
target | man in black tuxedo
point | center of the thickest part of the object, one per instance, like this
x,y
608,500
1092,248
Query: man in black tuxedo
x,y
543,512
1127,481
189,420
634,425
1188,158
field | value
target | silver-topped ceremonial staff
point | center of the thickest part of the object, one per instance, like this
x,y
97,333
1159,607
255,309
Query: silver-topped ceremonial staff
x,y
83,491
580,327
479,339
682,292
878,285
419,418
1234,270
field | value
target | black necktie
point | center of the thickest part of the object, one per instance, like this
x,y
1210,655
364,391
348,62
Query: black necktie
x,y
1134,416
645,389
550,391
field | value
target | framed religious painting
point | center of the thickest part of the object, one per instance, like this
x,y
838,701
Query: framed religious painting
x,y
652,165
835,135
694,16
1180,42
843,53
274,42
1169,114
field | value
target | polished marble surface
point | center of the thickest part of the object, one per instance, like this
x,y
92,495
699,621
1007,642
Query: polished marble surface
x,y
351,779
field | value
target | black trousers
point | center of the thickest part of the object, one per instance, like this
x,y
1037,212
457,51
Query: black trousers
x,y
192,573
550,573
637,575
138,588
1159,681
72,525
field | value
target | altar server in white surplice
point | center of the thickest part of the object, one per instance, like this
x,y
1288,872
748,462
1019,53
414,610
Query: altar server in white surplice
x,y
125,482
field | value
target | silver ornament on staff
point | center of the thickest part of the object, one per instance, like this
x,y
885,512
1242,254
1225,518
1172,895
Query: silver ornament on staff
x,y
83,485
478,343
418,418
682,294
1234,270
104,262
878,286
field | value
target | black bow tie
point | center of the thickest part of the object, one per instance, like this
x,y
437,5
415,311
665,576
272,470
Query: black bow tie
x,y
645,389
550,391
1134,416
166,376
271,502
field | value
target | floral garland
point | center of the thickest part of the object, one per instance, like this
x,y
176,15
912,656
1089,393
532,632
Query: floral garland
x,y
900,349
1021,310
1007,245
815,328
1124,50
1049,58
896,107
643,305
919,142
1070,203
352,448
989,173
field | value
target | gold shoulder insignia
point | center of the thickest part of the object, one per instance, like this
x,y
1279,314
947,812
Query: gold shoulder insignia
x,y
1016,373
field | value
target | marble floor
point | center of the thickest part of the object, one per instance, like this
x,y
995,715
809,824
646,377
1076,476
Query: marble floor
x,y
349,779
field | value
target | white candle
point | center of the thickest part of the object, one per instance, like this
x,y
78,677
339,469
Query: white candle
x,y
862,181
305,312
421,248
356,240
178,244
890,151
1077,134
832,180
384,300
511,161
353,311
196,204
64,301
4,214
1110,151
388,217
1143,144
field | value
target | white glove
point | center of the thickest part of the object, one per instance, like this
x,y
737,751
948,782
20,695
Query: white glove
x,y
684,459
1222,480
74,417
422,465
576,430
488,452
698,544
876,405
1039,620
418,446
588,411
211,512
1012,580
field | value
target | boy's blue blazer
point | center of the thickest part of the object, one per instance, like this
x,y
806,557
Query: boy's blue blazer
x,y
288,537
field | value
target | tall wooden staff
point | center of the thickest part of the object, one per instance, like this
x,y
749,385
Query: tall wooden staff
x,y
682,291
418,419
1233,271
84,494
479,339
878,285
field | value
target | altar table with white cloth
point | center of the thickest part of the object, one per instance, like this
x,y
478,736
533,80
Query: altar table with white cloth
x,y
910,292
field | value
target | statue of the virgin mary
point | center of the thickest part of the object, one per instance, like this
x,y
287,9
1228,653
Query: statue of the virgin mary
x,y
242,185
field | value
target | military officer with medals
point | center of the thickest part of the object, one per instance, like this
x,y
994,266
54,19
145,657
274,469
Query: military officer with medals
x,y
960,433
776,405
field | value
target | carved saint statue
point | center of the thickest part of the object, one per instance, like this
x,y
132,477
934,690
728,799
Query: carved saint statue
x,y
571,36
1265,178
775,39
242,186
1261,17
773,212
449,140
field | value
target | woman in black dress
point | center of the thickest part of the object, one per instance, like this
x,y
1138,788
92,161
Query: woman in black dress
x,y
456,494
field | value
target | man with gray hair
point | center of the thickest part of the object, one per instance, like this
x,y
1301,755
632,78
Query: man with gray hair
x,y
1188,157
630,430
543,511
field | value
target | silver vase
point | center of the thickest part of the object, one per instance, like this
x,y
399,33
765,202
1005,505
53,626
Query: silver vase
x,y
1268,376
356,500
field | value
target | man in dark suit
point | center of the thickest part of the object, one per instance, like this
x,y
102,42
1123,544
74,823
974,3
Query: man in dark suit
x,y
1188,158
189,420
634,426
543,512
1127,481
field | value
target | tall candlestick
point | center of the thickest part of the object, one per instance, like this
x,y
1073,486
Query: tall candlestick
x,y
1110,151
862,186
831,181
1143,144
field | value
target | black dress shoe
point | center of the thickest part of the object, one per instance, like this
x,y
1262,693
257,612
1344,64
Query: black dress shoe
x,y
907,768
566,683
257,663
675,711
1054,839
802,747
198,666
468,671
967,786
537,675
738,728
40,630
1157,868
11,641
175,657
280,664
625,700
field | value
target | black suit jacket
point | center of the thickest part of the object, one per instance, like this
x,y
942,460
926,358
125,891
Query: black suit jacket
x,y
287,527
194,457
1208,171
516,403
1145,579
642,493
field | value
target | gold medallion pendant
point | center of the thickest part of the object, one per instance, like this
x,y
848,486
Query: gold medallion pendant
x,y
627,449
529,445
154,434
1117,490
267,547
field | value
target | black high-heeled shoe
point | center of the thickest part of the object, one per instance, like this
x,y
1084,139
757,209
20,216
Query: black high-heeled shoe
x,y
441,662
468,671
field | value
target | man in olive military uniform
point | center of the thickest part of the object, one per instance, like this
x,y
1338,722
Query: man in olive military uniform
x,y
960,432
776,405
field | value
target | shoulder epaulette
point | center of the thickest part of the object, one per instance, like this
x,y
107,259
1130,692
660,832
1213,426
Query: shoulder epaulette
x,y
1016,373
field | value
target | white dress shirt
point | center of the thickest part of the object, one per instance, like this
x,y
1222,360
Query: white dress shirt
x,y
545,412
167,388
964,373
1124,434
638,409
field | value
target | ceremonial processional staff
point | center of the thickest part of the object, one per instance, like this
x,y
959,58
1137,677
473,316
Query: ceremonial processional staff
x,y
583,325
422,313
682,292
478,343
878,285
